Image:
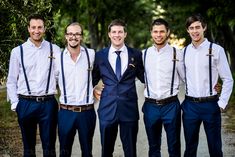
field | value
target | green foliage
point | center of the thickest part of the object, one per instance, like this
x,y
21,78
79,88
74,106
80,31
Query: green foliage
x,y
13,26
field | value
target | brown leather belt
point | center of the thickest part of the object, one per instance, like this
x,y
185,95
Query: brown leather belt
x,y
77,108
202,99
162,101
36,98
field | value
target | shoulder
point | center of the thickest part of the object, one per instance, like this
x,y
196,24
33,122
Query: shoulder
x,y
16,50
90,51
102,51
134,51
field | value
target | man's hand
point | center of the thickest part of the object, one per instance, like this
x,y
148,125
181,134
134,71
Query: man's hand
x,y
218,88
97,91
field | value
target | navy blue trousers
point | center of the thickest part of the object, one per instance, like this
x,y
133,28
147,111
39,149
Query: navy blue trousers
x,y
169,116
128,135
68,123
193,115
32,113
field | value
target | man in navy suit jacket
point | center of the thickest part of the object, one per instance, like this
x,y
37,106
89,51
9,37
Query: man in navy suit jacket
x,y
118,66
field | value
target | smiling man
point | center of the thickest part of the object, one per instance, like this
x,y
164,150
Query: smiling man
x,y
77,113
204,62
118,66
31,86
163,64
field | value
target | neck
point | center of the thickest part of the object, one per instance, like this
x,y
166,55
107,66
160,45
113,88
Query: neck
x,y
37,43
117,47
197,43
159,46
74,52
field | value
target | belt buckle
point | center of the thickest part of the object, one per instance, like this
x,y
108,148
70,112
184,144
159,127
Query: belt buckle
x,y
159,102
197,100
40,99
77,109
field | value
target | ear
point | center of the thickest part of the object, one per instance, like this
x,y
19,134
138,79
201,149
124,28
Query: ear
x,y
168,32
204,29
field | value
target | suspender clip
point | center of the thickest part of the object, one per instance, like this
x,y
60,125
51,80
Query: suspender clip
x,y
52,57
175,60
90,69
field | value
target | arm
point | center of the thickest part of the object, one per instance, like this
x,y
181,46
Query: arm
x,y
226,77
95,72
12,79
140,67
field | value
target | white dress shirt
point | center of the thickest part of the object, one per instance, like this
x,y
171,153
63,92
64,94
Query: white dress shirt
x,y
37,63
113,56
159,69
76,77
197,71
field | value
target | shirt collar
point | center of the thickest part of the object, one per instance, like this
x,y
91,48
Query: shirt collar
x,y
30,43
122,49
66,51
161,49
203,44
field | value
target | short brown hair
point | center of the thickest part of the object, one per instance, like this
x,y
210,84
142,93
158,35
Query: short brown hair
x,y
194,18
117,22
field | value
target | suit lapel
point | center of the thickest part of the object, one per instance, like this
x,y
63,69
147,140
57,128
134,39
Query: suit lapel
x,y
131,59
106,62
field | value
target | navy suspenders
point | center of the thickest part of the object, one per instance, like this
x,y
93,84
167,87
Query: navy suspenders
x,y
186,85
146,80
88,76
49,73
63,79
25,76
210,68
22,62
173,72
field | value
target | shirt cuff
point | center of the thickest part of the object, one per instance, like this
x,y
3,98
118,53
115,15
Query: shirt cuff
x,y
13,106
221,104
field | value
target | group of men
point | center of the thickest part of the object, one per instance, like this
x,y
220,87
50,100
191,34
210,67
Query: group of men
x,y
37,66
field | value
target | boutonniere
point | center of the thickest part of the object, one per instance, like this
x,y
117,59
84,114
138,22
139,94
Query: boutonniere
x,y
132,62
132,59
132,65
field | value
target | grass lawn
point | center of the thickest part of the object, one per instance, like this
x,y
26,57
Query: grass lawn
x,y
10,136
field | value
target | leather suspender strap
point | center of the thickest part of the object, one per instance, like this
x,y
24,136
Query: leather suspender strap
x,y
146,79
186,86
210,68
49,73
22,62
63,79
173,71
88,75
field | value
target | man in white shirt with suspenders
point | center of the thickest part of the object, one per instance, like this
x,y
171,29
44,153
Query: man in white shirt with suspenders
x,y
77,113
204,62
31,86
162,64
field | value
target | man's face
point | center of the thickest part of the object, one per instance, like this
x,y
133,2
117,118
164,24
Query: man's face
x,y
117,36
36,30
74,36
159,34
196,31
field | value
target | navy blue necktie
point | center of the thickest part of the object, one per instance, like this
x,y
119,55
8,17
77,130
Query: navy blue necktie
x,y
118,65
